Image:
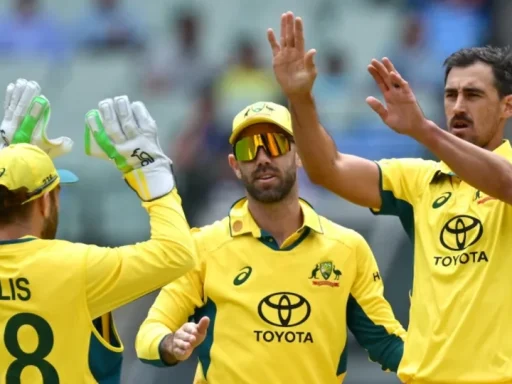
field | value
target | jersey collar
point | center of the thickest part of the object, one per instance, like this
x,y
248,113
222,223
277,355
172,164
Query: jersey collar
x,y
241,221
504,150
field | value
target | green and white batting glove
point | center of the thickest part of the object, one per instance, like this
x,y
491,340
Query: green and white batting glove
x,y
127,134
26,117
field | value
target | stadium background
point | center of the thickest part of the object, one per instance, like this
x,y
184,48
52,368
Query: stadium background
x,y
195,63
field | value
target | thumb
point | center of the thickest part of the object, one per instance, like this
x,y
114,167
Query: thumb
x,y
309,60
377,106
202,326
54,147
58,147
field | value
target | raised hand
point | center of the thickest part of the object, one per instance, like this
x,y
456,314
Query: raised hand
x,y
126,133
401,112
26,117
294,68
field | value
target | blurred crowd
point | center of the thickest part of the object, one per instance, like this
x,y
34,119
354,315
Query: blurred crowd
x,y
427,31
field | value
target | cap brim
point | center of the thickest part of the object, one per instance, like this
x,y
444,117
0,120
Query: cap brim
x,y
67,177
255,119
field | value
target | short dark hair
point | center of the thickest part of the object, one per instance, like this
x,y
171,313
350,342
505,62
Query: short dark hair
x,y
499,59
11,205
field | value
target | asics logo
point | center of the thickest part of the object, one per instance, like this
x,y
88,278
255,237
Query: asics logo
x,y
242,276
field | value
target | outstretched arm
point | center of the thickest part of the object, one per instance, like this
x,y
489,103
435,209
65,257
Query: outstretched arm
x,y
353,178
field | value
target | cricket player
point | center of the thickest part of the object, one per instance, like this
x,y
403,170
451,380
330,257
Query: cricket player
x,y
52,290
276,285
106,348
457,212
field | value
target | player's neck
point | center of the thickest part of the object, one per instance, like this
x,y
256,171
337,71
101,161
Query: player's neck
x,y
494,143
16,231
280,219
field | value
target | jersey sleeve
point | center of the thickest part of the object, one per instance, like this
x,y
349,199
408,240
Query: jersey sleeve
x,y
117,276
173,307
399,185
369,315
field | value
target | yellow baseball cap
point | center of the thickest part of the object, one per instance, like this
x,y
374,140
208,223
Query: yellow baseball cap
x,y
27,166
261,112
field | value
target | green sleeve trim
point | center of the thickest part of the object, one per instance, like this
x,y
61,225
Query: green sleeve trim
x,y
343,363
396,207
204,349
385,348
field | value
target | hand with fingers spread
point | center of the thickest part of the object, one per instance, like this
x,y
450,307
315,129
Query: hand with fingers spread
x,y
401,112
180,345
26,117
127,134
294,68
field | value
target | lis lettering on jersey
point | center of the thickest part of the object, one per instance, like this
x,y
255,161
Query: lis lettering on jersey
x,y
457,235
15,289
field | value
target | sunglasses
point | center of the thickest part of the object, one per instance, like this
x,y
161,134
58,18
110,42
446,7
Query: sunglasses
x,y
274,144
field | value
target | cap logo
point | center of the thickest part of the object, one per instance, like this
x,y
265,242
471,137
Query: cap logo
x,y
2,171
262,108
50,179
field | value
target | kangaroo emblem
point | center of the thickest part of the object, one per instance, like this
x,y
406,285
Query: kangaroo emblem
x,y
314,272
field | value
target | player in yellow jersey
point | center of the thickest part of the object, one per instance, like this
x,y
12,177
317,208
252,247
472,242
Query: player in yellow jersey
x,y
276,284
50,289
457,212
26,117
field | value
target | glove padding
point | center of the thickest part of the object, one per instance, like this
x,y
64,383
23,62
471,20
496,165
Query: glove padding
x,y
127,134
26,117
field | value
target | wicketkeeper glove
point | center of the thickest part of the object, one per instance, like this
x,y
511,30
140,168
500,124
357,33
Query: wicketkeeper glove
x,y
127,134
26,117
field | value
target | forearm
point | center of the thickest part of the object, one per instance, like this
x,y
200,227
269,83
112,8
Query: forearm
x,y
376,330
316,148
482,169
353,178
392,351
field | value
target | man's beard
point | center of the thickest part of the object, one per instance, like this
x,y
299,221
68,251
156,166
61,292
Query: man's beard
x,y
51,223
275,193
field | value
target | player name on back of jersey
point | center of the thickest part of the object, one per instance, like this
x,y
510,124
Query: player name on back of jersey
x,y
15,289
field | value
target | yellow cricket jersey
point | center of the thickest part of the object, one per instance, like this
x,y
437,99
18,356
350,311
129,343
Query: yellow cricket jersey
x,y
461,307
51,290
277,315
